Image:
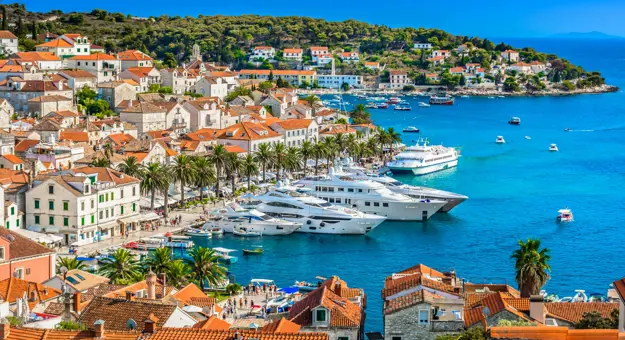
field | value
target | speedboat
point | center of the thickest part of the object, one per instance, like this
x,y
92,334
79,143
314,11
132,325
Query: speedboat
x,y
528,137
393,100
422,158
316,215
402,107
369,197
280,304
597,297
224,255
567,130
565,215
580,296
233,215
305,286
553,147
255,251
198,233
410,129
500,140
216,231
422,104
244,232
515,121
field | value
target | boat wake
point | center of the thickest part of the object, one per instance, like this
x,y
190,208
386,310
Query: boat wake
x,y
600,130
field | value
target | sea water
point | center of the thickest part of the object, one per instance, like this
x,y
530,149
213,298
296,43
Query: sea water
x,y
515,191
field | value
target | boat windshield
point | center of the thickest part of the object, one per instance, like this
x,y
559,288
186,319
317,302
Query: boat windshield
x,y
395,183
320,205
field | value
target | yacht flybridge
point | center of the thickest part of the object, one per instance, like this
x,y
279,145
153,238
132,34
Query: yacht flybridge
x,y
423,158
369,197
315,215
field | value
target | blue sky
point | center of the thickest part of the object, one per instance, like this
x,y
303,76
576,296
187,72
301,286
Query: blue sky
x,y
529,18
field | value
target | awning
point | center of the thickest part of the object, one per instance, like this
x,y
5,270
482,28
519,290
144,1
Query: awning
x,y
129,219
39,237
149,216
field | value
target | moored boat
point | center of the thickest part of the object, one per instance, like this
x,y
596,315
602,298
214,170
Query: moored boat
x,y
553,147
500,140
411,129
514,121
565,215
254,251
224,255
393,100
444,100
422,104
402,107
244,232
198,233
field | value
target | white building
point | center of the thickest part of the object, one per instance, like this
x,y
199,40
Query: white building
x,y
45,61
67,45
262,52
105,67
144,76
8,43
134,58
144,115
337,80
510,55
422,46
83,204
179,79
295,131
399,79
212,87
292,54
350,57
248,136
440,53
316,51
77,79
204,114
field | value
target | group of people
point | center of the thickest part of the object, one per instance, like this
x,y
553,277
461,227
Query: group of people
x,y
257,290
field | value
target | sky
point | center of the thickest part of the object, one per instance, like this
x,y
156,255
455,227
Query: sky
x,y
487,18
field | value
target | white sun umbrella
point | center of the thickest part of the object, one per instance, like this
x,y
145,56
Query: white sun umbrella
x,y
25,309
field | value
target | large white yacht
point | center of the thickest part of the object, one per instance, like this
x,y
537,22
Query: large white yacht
x,y
422,159
394,185
316,215
233,215
369,197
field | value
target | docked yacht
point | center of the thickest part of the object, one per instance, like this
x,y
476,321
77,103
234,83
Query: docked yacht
x,y
422,159
413,191
234,216
369,197
315,215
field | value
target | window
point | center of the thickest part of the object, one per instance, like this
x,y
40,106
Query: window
x,y
112,196
101,198
92,204
86,189
65,221
8,225
107,196
92,219
359,190
341,189
17,222
36,204
82,221
51,220
107,214
1,253
19,273
134,207
27,271
342,338
121,192
101,214
367,204
65,206
350,190
321,315
36,219
376,204
82,206
121,210
51,205
385,204
396,338
133,191
424,316
12,210
51,189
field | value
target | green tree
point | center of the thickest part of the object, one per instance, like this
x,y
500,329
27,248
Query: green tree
x,y
279,155
360,115
170,60
100,162
159,261
86,95
594,320
270,78
319,151
238,91
345,87
165,90
233,288
312,100
70,325
265,86
130,167
70,263
153,88
151,180
205,174
306,152
184,172
233,166
121,267
463,80
219,157
249,169
34,31
264,155
178,273
205,267
5,18
532,267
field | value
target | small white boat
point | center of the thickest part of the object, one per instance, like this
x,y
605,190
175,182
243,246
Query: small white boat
x,y
464,96
580,296
500,140
565,215
515,121
501,97
528,137
244,232
553,147
422,104
491,97
198,233
410,129
216,231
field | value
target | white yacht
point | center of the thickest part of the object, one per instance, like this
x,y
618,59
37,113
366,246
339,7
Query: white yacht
x,y
413,191
315,215
234,216
422,159
500,140
369,197
553,147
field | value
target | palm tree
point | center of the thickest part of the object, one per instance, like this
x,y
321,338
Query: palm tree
x,y
233,164
121,267
205,174
249,169
151,180
292,160
372,145
319,150
340,140
532,267
394,137
100,162
166,179
350,143
306,153
359,114
279,154
108,150
383,138
263,156
219,157
159,260
70,263
130,167
312,100
205,267
178,273
184,172
331,150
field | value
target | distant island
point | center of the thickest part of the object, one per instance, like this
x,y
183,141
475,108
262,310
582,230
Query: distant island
x,y
585,35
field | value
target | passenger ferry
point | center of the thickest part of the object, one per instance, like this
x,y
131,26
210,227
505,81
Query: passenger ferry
x,y
445,100
423,159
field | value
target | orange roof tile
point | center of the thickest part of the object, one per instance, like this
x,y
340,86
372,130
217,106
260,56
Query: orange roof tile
x,y
107,175
13,159
24,145
56,43
343,313
13,288
74,136
574,311
553,333
318,48
133,55
294,124
278,72
422,269
39,56
120,139
247,131
282,326
234,149
409,300
213,323
293,50
202,334
7,35
95,56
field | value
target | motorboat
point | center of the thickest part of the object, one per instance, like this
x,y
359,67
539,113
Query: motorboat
x,y
179,241
565,215
566,299
500,97
255,251
528,137
394,185
567,130
515,121
369,197
423,158
500,140
244,232
315,215
224,255
149,243
402,107
305,286
422,104
597,297
580,296
491,97
216,231
464,96
198,233
393,100
444,100
279,304
233,215
553,148
411,129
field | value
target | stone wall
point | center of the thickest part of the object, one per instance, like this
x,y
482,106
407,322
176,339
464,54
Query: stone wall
x,y
404,324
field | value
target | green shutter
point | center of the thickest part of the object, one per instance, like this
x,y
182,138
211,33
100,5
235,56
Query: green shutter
x,y
18,222
66,206
112,196
51,205
51,220
36,204
134,207
66,221
107,196
82,221
92,219
36,219
122,210
12,210
7,224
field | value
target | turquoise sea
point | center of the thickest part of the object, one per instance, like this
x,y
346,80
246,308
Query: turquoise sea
x,y
515,192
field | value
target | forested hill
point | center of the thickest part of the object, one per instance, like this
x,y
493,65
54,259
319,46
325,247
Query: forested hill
x,y
228,38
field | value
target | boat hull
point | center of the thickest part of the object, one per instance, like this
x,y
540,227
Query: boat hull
x,y
424,170
402,211
264,229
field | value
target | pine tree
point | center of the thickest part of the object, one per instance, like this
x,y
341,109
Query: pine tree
x,y
5,23
20,31
34,32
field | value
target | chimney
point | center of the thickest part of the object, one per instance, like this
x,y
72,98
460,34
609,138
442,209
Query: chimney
x,y
5,329
537,308
130,296
337,288
130,103
163,278
150,280
76,302
98,326
150,324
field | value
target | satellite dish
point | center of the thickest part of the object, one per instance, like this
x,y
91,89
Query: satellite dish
x,y
131,324
486,311
63,270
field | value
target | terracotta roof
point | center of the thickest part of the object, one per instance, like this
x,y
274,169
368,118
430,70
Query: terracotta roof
x,y
294,124
7,35
335,129
213,323
554,333
8,176
191,293
422,269
398,73
293,50
49,99
409,300
117,312
38,56
343,313
120,139
82,280
94,56
140,71
133,55
20,246
40,86
282,326
278,72
262,47
54,334
201,334
318,48
141,107
247,131
78,73
340,288
440,57
158,134
234,149
56,43
13,288
574,311
456,69
392,287
13,159
107,175
74,136
66,113
372,63
495,303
